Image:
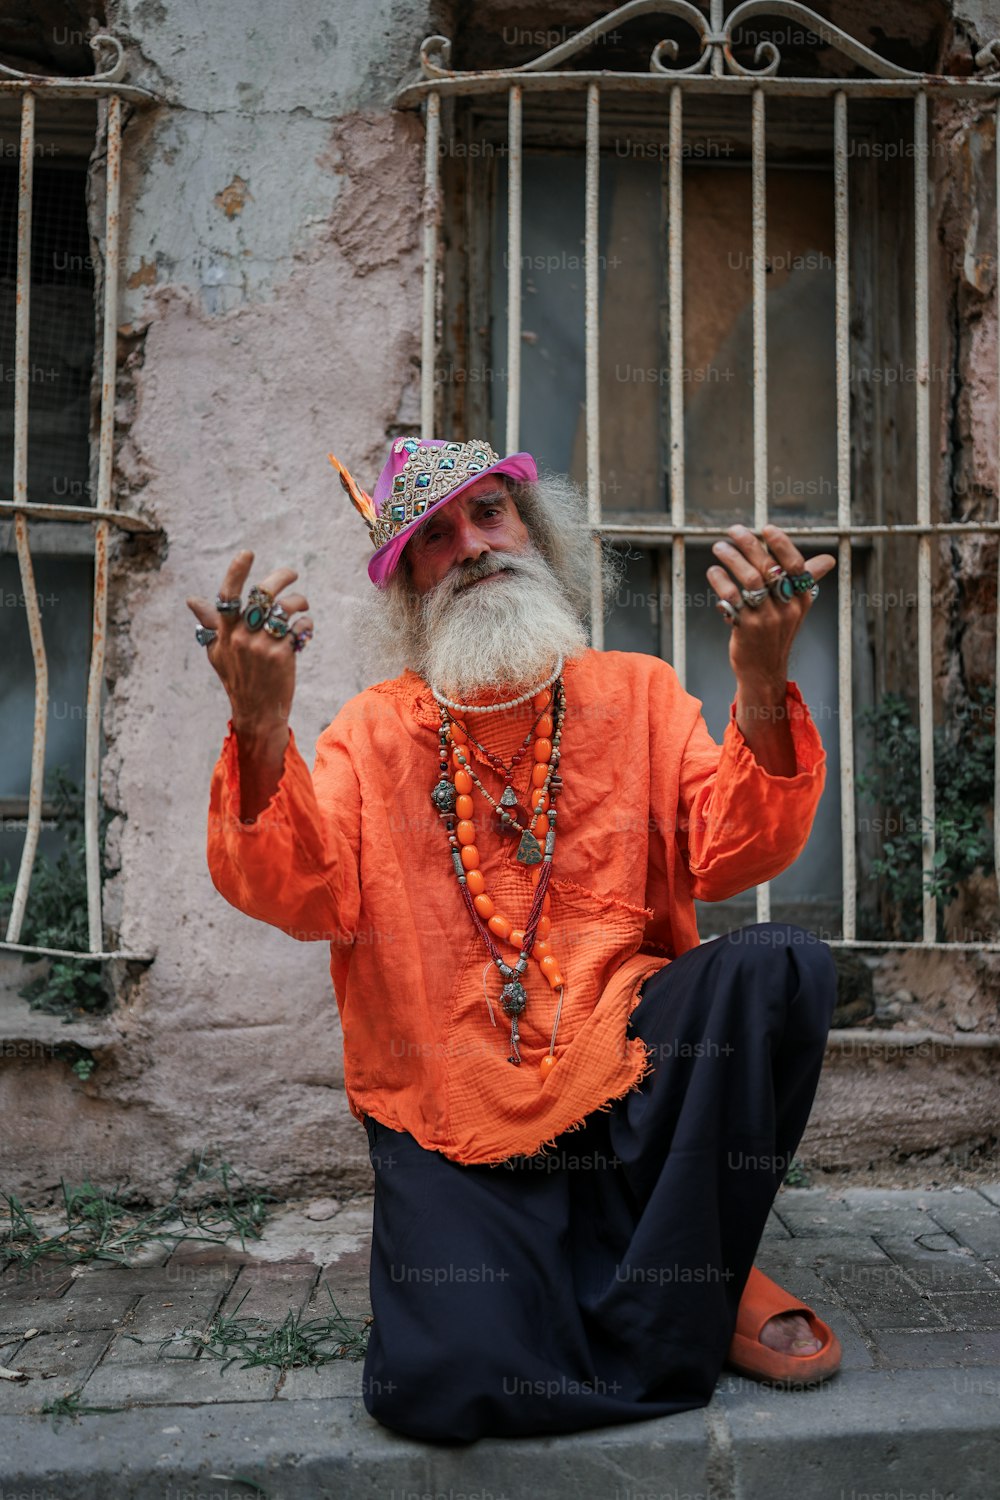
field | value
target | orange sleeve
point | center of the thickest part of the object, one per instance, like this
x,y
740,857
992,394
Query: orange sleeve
x,y
738,824
296,865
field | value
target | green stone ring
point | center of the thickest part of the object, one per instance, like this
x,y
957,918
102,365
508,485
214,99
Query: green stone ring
x,y
258,608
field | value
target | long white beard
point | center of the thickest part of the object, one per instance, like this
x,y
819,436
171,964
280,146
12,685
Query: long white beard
x,y
502,634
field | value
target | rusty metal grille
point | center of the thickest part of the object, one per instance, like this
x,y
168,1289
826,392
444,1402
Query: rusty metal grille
x,y
718,73
34,92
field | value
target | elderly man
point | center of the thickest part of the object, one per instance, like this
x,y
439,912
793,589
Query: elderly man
x,y
578,1115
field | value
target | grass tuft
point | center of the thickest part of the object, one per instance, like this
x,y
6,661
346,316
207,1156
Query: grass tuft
x,y
210,1204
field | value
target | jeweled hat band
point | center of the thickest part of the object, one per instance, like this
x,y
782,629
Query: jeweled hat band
x,y
420,474
429,475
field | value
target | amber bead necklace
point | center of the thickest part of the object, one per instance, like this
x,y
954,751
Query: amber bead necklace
x,y
452,796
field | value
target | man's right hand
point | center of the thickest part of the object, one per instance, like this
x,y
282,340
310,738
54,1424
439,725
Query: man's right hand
x,y
258,673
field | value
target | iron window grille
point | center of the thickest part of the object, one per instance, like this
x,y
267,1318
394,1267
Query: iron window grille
x,y
669,88
106,88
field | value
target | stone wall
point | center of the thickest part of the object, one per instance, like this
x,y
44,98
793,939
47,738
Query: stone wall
x,y
270,313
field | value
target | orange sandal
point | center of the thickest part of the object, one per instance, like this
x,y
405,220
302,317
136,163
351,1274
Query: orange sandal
x,y
762,1299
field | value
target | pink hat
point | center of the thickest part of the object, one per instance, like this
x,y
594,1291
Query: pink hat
x,y
420,475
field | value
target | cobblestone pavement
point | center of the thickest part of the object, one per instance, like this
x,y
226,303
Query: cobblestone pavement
x,y
910,1281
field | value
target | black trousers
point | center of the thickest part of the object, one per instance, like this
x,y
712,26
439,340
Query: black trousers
x,y
600,1283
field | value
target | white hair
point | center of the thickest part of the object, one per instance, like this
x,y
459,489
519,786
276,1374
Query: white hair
x,y
393,622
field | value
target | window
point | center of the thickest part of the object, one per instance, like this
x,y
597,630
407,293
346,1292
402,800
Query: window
x,y
56,433
704,292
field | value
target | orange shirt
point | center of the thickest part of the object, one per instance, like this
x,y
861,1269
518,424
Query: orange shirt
x,y
653,813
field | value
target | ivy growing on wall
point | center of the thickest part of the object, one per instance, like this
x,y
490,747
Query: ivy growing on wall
x,y
56,914
963,790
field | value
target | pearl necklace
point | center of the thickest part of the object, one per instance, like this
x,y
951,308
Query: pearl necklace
x,y
495,708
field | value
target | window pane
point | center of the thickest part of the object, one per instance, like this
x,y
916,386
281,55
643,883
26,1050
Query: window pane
x,y
61,337
630,293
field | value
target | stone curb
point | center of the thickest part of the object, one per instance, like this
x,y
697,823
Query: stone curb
x,y
904,1435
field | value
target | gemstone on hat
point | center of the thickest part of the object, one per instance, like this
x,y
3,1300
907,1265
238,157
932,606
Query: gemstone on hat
x,y
453,447
480,458
410,446
398,512
446,463
419,506
399,485
422,480
475,468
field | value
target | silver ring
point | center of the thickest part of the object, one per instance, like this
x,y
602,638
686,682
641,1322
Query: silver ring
x,y
205,635
730,611
814,591
276,623
228,606
258,606
754,597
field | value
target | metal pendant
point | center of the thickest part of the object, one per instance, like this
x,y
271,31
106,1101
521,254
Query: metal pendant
x,y
443,796
509,798
529,850
513,998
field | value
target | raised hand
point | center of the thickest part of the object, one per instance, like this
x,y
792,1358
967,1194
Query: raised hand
x,y
254,655
766,593
765,625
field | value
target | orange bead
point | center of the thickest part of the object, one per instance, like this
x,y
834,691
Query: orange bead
x,y
546,904
463,806
546,1065
484,906
542,699
536,874
541,827
516,938
474,880
544,928
499,926
556,981
470,857
463,782
540,802
544,728
458,734
538,775
466,832
540,950
550,968
542,750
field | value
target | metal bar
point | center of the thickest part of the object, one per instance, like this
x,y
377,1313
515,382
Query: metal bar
x,y
675,272
144,958
432,211
514,268
845,622
500,80
996,674
822,532
717,20
75,88
925,666
91,804
22,332
919,947
119,518
592,331
759,260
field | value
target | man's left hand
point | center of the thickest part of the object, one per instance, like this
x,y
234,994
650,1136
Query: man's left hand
x,y
761,638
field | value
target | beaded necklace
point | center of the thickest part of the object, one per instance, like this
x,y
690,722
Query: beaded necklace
x,y
453,799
